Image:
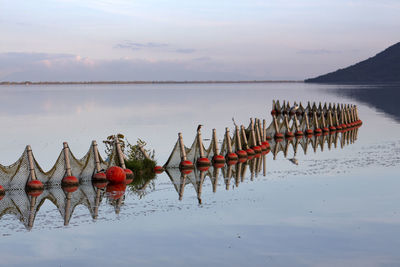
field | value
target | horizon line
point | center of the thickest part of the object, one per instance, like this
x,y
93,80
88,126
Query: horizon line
x,y
146,82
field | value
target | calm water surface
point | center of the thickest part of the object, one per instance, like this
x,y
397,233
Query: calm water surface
x,y
338,207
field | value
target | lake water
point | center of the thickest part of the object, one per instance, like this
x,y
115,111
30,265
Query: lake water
x,y
338,207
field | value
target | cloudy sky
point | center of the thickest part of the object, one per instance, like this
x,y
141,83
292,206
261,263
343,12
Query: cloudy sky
x,y
50,40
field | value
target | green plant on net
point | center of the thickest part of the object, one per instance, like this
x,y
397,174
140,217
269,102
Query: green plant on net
x,y
136,160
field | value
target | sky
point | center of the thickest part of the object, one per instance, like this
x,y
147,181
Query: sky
x,y
71,40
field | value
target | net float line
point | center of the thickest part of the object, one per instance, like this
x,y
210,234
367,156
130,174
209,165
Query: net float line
x,y
288,123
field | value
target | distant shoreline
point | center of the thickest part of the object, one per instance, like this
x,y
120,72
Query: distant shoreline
x,y
146,82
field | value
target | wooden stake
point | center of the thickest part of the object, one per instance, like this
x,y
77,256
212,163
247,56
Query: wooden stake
x,y
238,141
120,154
96,156
66,159
182,147
228,140
246,144
200,144
31,165
276,124
214,136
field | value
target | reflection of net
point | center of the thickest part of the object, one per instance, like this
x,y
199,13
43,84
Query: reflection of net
x,y
25,208
286,120
16,175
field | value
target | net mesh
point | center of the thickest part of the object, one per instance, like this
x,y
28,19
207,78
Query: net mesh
x,y
17,174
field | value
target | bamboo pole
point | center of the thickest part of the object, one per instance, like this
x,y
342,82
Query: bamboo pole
x,y
238,141
200,144
316,120
141,148
31,165
228,140
264,131
307,122
253,135
296,123
182,147
96,156
244,137
66,159
214,136
276,124
119,152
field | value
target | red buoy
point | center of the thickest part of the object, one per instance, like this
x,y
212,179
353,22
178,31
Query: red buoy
x,y
100,184
186,164
257,155
186,171
273,112
242,160
250,157
232,156
278,136
232,162
263,147
129,174
116,175
158,169
268,137
289,134
344,126
218,165
70,188
219,159
203,168
203,162
250,152
309,132
116,191
266,151
128,180
257,149
266,144
69,181
34,185
299,134
99,176
241,154
332,128
325,129
318,131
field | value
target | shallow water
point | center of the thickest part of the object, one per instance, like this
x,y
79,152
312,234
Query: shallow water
x,y
337,207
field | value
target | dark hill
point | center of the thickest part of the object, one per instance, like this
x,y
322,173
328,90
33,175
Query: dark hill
x,y
382,68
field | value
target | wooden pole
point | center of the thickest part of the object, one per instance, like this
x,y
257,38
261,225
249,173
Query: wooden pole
x,y
238,141
96,156
253,135
244,137
228,140
214,136
66,159
307,122
119,152
316,120
264,131
141,148
276,124
182,147
200,144
323,119
258,134
296,123
31,165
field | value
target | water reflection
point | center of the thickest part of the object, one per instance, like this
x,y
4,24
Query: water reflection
x,y
383,97
24,206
